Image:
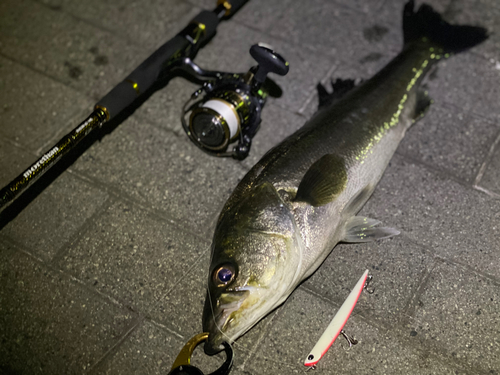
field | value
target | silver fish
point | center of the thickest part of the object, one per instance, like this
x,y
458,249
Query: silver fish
x,y
301,198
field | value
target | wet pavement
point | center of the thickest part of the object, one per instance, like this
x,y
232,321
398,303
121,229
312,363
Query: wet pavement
x,y
103,270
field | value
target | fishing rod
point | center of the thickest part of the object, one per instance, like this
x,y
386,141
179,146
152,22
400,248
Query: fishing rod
x,y
229,111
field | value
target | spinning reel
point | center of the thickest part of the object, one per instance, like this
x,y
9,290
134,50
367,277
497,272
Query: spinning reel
x,y
230,109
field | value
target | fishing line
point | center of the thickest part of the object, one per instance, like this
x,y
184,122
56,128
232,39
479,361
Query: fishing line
x,y
241,347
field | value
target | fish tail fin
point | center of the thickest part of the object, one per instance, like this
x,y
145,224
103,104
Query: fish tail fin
x,y
427,23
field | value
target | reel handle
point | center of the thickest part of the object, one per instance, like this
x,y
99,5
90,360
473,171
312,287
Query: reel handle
x,y
269,62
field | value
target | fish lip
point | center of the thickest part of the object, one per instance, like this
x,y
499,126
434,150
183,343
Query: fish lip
x,y
239,294
213,345
219,316
224,312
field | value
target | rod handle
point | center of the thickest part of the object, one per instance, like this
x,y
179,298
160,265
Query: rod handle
x,y
186,43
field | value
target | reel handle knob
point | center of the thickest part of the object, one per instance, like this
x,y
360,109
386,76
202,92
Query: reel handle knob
x,y
269,62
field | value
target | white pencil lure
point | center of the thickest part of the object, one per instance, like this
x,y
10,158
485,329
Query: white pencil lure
x,y
335,327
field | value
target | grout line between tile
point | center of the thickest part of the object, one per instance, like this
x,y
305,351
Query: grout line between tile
x,y
98,26
409,311
486,191
62,131
482,170
253,351
123,197
453,262
434,170
87,224
163,326
114,348
20,248
44,74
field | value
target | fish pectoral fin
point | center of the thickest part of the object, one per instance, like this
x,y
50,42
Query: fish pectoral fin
x,y
423,104
340,87
362,229
323,182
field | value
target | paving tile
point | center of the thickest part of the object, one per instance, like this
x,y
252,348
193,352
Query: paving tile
x,y
51,324
55,216
148,350
7,251
491,177
261,14
153,22
185,301
338,31
397,265
450,220
461,81
458,314
91,10
131,256
166,171
164,107
143,22
151,349
451,140
377,352
71,51
204,4
305,69
34,108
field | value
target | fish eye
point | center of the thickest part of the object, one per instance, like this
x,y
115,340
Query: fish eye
x,y
224,274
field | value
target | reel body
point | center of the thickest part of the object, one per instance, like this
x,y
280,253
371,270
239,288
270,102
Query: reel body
x,y
228,107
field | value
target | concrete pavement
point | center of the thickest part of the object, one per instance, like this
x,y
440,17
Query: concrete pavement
x,y
104,271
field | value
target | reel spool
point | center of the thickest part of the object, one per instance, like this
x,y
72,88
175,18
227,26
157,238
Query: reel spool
x,y
230,109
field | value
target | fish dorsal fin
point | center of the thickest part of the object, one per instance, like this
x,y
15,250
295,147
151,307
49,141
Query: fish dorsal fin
x,y
340,88
323,182
362,229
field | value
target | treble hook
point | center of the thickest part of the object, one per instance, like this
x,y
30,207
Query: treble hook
x,y
350,340
313,367
365,287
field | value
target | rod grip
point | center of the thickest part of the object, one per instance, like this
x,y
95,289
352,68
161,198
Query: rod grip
x,y
186,43
210,20
141,79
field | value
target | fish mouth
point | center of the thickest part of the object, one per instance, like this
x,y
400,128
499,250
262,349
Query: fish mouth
x,y
213,345
218,318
